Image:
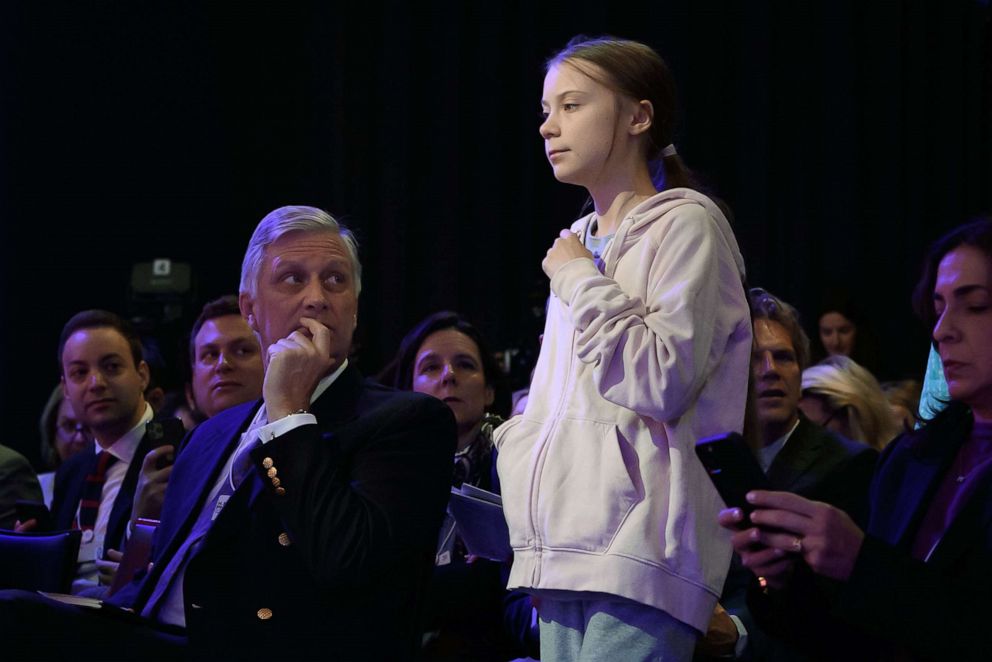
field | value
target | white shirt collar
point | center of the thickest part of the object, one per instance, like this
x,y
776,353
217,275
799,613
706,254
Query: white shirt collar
x,y
123,449
326,382
767,454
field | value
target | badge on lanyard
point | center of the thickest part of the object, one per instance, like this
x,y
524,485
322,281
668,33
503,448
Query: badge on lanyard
x,y
221,502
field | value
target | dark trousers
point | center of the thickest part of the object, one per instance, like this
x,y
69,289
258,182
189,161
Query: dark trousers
x,y
45,629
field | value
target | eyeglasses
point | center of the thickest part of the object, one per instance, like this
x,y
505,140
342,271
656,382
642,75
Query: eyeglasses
x,y
825,422
70,428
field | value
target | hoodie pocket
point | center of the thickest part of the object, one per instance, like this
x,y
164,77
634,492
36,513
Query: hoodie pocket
x,y
586,490
517,452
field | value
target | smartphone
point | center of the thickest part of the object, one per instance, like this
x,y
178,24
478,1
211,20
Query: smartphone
x,y
733,469
165,432
35,510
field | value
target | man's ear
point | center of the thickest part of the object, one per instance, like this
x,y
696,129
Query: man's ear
x,y
490,396
145,374
643,117
247,306
190,400
156,398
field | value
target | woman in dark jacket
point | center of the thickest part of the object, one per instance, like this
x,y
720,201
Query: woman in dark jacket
x,y
469,615
917,583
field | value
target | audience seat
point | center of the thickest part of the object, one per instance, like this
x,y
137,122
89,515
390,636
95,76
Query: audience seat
x,y
38,561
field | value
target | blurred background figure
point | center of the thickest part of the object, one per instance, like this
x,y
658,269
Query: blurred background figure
x,y
17,482
837,333
935,394
842,329
62,436
840,395
904,401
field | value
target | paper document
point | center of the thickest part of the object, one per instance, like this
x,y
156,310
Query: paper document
x,y
481,525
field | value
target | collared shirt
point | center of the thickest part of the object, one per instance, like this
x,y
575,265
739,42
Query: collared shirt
x,y
172,610
266,432
92,550
767,454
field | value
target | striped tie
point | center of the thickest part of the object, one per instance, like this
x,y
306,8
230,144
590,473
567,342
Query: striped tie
x,y
89,504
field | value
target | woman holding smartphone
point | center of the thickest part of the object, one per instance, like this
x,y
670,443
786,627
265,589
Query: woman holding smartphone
x,y
915,584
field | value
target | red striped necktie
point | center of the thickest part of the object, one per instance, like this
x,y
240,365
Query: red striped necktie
x,y
89,504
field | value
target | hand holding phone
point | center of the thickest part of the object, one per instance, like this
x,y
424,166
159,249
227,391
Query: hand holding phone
x,y
149,493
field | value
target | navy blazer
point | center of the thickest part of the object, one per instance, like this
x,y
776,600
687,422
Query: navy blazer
x,y
71,476
332,562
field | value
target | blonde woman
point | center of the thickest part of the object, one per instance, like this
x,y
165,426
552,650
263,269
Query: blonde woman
x,y
840,395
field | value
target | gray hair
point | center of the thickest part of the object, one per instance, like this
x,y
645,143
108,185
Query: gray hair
x,y
767,306
294,218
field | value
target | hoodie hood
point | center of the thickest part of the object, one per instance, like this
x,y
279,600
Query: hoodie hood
x,y
643,215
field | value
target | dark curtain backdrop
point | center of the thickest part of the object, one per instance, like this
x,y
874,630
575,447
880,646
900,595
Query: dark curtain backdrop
x,y
845,135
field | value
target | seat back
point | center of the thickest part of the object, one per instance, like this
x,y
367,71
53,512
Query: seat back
x,y
137,553
39,561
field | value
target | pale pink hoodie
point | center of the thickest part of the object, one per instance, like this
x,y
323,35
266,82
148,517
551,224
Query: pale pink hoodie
x,y
601,486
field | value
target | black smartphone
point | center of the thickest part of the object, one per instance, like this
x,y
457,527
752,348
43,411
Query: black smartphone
x,y
165,432
733,469
35,510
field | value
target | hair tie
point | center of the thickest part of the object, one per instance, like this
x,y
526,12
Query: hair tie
x,y
669,150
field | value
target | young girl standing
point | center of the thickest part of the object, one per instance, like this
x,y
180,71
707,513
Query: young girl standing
x,y
646,349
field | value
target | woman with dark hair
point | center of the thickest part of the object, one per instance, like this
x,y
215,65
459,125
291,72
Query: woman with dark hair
x,y
842,329
447,357
916,584
468,613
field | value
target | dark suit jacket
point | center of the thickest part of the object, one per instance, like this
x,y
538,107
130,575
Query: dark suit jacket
x,y
893,606
17,481
71,476
940,609
333,568
824,466
818,465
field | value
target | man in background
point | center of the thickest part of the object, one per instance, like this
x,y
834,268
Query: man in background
x,y
104,377
225,359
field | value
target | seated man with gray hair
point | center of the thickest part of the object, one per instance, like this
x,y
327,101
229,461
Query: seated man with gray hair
x,y
795,453
298,526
